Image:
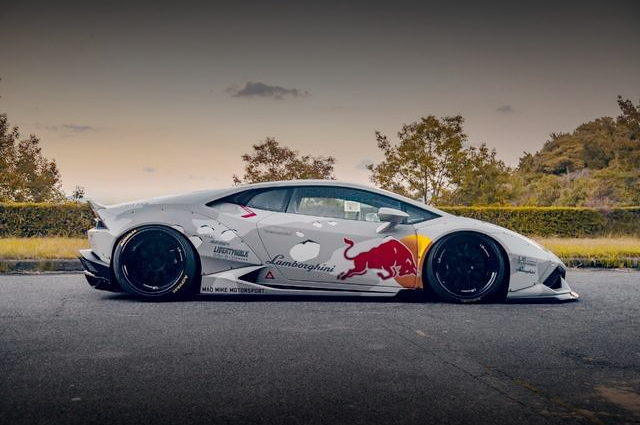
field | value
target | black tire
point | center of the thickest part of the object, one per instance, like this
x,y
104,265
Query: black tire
x,y
466,267
155,262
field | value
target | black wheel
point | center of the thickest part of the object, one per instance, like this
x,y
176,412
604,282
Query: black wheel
x,y
154,262
465,267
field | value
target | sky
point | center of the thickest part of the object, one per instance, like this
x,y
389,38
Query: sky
x,y
140,99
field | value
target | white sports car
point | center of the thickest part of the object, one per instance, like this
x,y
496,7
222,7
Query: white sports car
x,y
311,237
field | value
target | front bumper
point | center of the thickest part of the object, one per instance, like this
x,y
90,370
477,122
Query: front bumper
x,y
97,272
540,291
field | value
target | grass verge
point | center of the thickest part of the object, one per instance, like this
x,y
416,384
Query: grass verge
x,y
595,252
576,252
41,248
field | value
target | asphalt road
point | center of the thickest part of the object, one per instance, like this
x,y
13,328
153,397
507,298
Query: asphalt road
x,y
73,355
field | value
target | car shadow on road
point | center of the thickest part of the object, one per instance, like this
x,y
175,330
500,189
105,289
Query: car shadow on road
x,y
402,297
408,297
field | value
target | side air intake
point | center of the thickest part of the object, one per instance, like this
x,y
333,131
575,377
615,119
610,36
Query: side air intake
x,y
554,281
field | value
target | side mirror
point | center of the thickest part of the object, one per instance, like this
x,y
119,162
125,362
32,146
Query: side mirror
x,y
390,217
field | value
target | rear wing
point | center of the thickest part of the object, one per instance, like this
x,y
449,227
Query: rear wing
x,y
96,207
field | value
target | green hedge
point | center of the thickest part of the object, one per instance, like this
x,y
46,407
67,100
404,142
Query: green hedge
x,y
43,219
557,221
72,219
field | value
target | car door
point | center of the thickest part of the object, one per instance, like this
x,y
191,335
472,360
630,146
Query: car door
x,y
329,237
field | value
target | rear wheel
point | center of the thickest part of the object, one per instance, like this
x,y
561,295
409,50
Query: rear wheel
x,y
154,262
466,267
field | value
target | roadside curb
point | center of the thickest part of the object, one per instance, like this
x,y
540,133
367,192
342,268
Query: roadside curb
x,y
37,266
603,263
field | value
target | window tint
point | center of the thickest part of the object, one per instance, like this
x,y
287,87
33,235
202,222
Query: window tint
x,y
417,215
271,200
326,201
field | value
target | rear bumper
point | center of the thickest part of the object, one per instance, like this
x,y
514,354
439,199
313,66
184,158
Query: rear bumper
x,y
97,272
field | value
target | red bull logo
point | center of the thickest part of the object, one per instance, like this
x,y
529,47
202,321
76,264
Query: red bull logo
x,y
391,258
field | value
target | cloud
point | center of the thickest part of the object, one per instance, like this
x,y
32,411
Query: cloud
x,y
47,127
77,127
264,90
149,169
505,109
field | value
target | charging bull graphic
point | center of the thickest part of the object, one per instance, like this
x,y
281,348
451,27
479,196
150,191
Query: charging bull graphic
x,y
391,257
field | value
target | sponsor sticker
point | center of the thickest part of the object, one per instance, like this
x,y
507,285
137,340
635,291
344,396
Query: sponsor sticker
x,y
523,269
223,250
391,258
278,260
248,214
230,290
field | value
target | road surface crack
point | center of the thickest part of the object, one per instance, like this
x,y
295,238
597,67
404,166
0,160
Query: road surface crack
x,y
488,373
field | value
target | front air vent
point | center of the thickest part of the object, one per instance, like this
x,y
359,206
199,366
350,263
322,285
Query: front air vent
x,y
554,281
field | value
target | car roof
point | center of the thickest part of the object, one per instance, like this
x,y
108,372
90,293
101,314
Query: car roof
x,y
334,183
206,196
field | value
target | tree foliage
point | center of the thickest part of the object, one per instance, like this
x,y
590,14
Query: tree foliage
x,y
272,162
424,161
630,117
78,193
431,163
595,145
25,174
482,179
597,165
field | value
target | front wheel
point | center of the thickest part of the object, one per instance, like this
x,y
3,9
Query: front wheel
x,y
465,267
154,262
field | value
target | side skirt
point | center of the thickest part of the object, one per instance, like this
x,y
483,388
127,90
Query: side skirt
x,y
238,282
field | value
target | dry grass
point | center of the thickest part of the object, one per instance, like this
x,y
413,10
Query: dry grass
x,y
608,252
592,247
41,248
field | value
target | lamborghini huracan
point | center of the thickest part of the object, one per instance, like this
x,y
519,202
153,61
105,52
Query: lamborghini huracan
x,y
311,237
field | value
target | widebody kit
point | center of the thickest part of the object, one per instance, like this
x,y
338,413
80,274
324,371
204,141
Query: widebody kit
x,y
312,238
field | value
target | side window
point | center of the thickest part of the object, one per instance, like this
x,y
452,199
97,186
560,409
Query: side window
x,y
270,200
339,202
417,215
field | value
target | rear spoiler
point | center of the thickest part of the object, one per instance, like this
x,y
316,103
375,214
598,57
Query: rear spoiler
x,y
96,207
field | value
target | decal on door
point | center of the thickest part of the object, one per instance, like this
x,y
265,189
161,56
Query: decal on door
x,y
279,260
304,251
214,239
417,244
248,212
391,258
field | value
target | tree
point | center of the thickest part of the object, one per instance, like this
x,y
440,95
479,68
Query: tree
x,y
482,179
25,174
598,164
630,117
78,193
272,162
561,154
424,161
595,145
